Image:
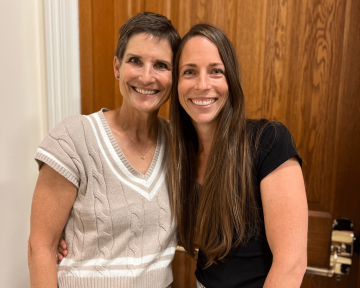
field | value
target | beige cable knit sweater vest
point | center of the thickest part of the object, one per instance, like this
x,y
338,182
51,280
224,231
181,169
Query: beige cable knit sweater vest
x,y
118,232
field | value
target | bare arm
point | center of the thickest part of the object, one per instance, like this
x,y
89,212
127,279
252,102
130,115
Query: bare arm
x,y
286,222
52,201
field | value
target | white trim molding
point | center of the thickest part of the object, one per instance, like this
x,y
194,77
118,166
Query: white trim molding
x,y
62,59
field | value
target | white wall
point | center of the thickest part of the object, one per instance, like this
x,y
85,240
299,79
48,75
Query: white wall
x,y
23,124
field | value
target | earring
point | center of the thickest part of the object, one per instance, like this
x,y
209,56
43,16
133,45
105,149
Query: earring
x,y
117,77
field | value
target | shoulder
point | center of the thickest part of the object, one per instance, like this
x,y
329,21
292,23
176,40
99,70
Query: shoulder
x,y
271,144
266,134
69,134
69,131
65,125
75,120
74,127
277,136
59,150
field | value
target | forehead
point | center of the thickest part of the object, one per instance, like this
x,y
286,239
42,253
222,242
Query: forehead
x,y
200,49
148,45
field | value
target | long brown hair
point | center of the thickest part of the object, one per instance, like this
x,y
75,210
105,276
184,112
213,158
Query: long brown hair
x,y
226,207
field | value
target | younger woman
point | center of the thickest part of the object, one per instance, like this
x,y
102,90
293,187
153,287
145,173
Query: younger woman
x,y
236,185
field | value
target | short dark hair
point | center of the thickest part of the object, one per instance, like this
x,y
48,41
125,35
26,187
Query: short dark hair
x,y
148,23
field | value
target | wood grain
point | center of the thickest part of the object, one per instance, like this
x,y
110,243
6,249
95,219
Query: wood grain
x,y
346,176
103,55
250,48
184,271
86,54
319,243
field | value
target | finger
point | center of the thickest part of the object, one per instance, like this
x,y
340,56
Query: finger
x,y
62,243
62,251
59,257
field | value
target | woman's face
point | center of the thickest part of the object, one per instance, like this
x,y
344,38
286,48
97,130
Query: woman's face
x,y
202,87
144,73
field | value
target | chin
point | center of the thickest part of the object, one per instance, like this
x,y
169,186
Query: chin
x,y
148,109
203,120
147,106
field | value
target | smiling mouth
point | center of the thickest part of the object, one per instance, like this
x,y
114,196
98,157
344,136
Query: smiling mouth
x,y
146,92
203,102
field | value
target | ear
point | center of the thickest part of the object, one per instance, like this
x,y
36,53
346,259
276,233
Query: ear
x,y
116,65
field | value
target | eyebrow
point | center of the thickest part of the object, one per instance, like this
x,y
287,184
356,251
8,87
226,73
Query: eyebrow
x,y
194,65
158,60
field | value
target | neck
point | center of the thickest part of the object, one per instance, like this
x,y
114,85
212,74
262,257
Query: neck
x,y
141,126
137,124
205,133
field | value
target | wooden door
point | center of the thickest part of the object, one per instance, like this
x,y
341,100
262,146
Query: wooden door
x,y
300,64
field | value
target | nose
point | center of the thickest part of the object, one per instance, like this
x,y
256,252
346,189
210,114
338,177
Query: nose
x,y
147,75
202,82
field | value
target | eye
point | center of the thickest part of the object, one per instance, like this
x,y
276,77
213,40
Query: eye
x,y
161,65
218,71
189,72
134,60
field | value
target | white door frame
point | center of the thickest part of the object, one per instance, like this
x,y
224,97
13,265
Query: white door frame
x,y
62,59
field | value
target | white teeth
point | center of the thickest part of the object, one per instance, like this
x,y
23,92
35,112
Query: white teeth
x,y
152,92
203,103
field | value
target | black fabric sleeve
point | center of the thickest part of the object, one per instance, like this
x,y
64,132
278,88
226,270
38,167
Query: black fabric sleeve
x,y
276,147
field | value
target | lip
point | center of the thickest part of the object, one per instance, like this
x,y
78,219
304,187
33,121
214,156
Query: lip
x,y
203,103
145,91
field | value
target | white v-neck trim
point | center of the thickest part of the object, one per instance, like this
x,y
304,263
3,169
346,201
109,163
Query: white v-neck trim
x,y
146,183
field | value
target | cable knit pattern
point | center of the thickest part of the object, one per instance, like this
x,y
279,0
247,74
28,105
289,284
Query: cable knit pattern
x,y
163,224
118,232
78,226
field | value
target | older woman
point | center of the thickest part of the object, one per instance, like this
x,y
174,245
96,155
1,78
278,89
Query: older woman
x,y
102,177
236,186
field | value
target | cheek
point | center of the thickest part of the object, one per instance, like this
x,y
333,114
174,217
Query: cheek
x,y
181,96
181,101
224,90
182,89
168,81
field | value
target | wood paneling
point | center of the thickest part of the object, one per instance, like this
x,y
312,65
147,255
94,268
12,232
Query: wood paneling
x,y
298,75
320,227
347,166
300,64
103,54
86,54
184,270
250,48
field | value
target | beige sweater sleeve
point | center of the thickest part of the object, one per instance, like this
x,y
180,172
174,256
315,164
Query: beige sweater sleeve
x,y
58,151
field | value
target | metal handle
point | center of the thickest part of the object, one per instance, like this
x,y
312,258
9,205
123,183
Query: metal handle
x,y
342,246
323,271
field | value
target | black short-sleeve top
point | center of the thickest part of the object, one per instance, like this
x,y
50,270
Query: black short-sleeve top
x,y
247,266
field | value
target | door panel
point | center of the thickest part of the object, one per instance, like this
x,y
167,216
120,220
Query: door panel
x,y
300,64
320,227
184,270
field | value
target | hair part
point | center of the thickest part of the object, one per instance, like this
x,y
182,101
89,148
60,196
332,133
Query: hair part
x,y
148,23
223,213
